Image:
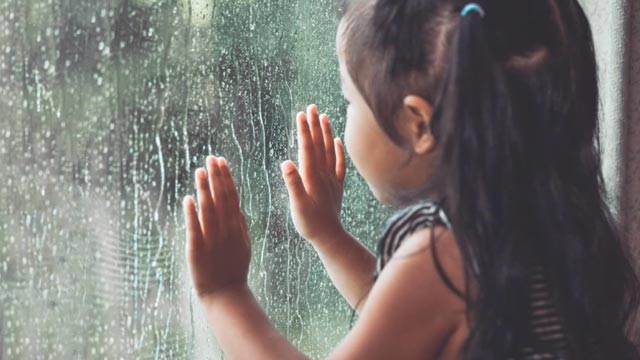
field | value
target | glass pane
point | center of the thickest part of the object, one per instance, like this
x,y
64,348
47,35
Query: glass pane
x,y
107,108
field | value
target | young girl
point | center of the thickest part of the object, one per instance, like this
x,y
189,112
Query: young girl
x,y
479,120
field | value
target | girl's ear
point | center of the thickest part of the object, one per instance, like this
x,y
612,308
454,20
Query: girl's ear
x,y
416,124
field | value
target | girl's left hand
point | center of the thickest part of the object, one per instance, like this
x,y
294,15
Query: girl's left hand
x,y
218,246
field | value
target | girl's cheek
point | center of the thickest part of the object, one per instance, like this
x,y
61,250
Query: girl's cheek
x,y
347,135
351,134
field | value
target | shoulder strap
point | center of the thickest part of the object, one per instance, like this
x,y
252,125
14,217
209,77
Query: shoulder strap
x,y
405,222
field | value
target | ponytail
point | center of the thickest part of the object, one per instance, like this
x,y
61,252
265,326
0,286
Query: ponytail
x,y
514,204
482,162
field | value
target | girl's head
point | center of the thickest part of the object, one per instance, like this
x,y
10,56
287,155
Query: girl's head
x,y
497,118
396,172
394,58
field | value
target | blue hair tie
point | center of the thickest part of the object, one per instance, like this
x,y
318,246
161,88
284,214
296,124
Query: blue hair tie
x,y
472,7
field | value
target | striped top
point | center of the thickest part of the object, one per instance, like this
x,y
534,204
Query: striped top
x,y
548,340
403,223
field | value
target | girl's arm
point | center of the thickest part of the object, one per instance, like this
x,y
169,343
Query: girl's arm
x,y
242,328
315,197
350,266
218,251
409,314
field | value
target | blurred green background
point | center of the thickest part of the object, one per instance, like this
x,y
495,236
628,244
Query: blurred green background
x,y
107,107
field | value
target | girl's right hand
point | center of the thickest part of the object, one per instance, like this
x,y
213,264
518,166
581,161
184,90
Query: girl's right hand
x,y
315,191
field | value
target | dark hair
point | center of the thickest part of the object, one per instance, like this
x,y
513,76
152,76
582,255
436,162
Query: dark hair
x,y
515,99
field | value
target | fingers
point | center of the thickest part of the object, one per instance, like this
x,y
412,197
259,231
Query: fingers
x,y
243,224
329,147
316,133
209,163
232,209
341,169
194,232
306,151
292,178
315,142
205,202
233,201
220,191
217,195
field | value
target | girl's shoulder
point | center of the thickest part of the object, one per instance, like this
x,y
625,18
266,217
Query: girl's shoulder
x,y
410,311
424,214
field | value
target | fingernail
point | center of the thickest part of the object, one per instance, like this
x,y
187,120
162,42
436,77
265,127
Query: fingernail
x,y
210,158
223,161
284,167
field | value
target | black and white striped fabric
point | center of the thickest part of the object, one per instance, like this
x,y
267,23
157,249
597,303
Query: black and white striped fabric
x,y
403,223
548,334
545,321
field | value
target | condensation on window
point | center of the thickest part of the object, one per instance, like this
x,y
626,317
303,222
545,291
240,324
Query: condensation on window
x,y
106,110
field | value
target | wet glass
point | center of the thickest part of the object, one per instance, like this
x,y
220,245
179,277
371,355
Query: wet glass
x,y
106,110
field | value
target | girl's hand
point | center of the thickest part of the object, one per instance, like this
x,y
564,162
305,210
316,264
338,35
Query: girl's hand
x,y
315,191
218,246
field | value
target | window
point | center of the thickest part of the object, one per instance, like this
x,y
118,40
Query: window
x,y
107,108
